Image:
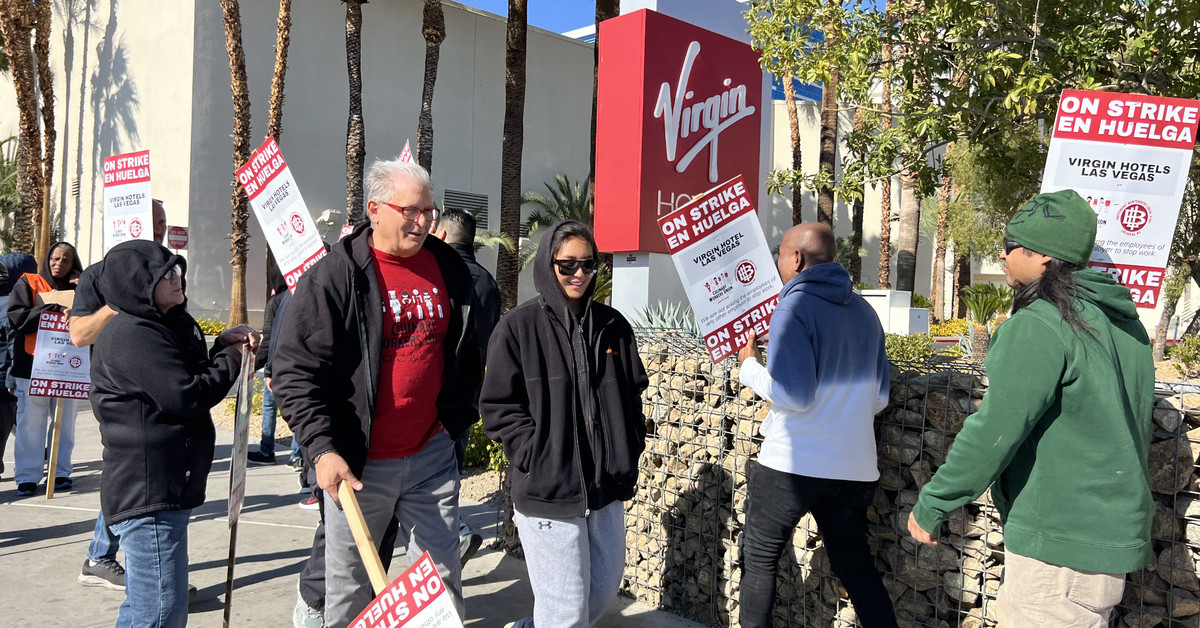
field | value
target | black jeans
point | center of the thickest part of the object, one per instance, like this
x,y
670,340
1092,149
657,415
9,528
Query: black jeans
x,y
776,502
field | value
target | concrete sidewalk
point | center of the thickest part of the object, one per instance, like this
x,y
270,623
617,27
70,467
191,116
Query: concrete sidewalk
x,y
43,544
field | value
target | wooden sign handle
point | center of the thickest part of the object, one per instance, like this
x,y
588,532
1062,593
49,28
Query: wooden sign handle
x,y
362,538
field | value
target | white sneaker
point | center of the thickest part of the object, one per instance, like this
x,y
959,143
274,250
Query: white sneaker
x,y
305,616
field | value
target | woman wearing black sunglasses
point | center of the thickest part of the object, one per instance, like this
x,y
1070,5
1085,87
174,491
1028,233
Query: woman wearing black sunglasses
x,y
562,393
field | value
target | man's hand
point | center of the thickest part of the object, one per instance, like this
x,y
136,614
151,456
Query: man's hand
x,y
918,532
238,335
332,469
750,350
267,383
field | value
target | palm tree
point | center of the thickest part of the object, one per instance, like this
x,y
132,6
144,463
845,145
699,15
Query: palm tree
x,y
605,9
789,97
41,51
856,212
283,39
507,272
18,22
433,27
565,202
829,124
238,237
356,140
885,188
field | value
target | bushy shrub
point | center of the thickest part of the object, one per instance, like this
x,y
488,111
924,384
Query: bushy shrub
x,y
921,301
1187,353
914,348
950,328
484,452
211,326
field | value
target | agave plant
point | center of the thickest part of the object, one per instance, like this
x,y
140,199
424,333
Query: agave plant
x,y
668,315
984,302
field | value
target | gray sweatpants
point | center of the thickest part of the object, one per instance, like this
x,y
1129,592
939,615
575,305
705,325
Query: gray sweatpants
x,y
574,564
422,491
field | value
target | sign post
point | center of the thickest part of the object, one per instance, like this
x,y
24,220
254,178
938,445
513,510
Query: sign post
x,y
723,260
286,223
1128,155
60,370
128,206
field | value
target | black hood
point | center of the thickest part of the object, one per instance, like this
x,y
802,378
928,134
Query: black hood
x,y
275,278
545,278
13,265
131,271
76,268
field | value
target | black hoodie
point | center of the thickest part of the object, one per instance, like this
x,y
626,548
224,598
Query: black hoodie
x,y
24,310
325,371
564,397
153,385
12,267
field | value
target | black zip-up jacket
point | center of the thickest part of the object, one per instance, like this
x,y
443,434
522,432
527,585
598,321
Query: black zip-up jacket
x,y
564,397
325,372
153,384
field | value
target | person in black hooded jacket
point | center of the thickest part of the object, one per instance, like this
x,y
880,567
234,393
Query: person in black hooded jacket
x,y
562,393
59,271
12,266
153,384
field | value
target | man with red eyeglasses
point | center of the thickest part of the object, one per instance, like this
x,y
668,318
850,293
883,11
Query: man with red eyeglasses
x,y
379,370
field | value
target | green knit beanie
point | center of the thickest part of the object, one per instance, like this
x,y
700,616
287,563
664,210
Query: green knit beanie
x,y
1059,224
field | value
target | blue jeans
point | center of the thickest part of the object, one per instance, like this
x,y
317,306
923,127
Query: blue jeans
x,y
266,446
104,543
35,416
775,503
156,567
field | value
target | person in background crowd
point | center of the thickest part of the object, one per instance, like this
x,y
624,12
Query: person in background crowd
x,y
826,376
12,266
377,372
153,384
35,415
457,228
1063,433
266,443
563,395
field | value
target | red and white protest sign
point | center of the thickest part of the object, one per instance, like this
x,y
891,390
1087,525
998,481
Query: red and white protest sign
x,y
346,230
177,237
417,599
128,206
725,265
1128,155
286,223
60,369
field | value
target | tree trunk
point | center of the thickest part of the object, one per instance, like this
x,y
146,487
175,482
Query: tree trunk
x,y
283,39
83,76
885,203
829,132
789,96
937,285
41,50
1160,333
433,27
17,20
356,141
856,214
605,9
507,273
962,264
238,237
906,243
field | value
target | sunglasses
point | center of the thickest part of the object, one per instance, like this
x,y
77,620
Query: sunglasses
x,y
1009,246
568,267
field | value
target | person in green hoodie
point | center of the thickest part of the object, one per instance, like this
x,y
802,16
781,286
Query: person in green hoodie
x,y
1063,434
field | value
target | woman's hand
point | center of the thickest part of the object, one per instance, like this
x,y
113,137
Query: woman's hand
x,y
238,335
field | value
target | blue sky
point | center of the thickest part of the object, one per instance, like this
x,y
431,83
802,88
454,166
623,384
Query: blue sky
x,y
553,15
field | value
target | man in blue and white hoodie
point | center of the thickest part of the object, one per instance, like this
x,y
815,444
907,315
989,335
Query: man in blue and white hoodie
x,y
826,377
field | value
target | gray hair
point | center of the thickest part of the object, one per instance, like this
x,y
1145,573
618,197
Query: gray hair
x,y
380,182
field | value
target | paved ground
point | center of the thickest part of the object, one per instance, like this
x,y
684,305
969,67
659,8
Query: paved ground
x,y
43,544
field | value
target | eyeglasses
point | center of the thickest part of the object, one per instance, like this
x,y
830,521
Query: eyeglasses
x,y
173,274
568,267
1010,245
410,213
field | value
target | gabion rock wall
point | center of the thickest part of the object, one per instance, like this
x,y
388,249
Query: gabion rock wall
x,y
684,525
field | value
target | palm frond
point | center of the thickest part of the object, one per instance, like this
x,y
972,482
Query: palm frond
x,y
493,239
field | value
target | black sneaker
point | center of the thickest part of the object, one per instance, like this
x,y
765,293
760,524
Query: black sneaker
x,y
468,544
106,573
255,457
63,484
297,464
310,503
25,489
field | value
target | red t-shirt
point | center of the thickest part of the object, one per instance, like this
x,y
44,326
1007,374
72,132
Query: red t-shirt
x,y
416,316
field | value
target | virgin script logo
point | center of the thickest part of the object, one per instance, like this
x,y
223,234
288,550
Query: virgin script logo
x,y
714,114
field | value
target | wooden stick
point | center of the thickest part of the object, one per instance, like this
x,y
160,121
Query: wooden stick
x,y
229,575
362,538
58,410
